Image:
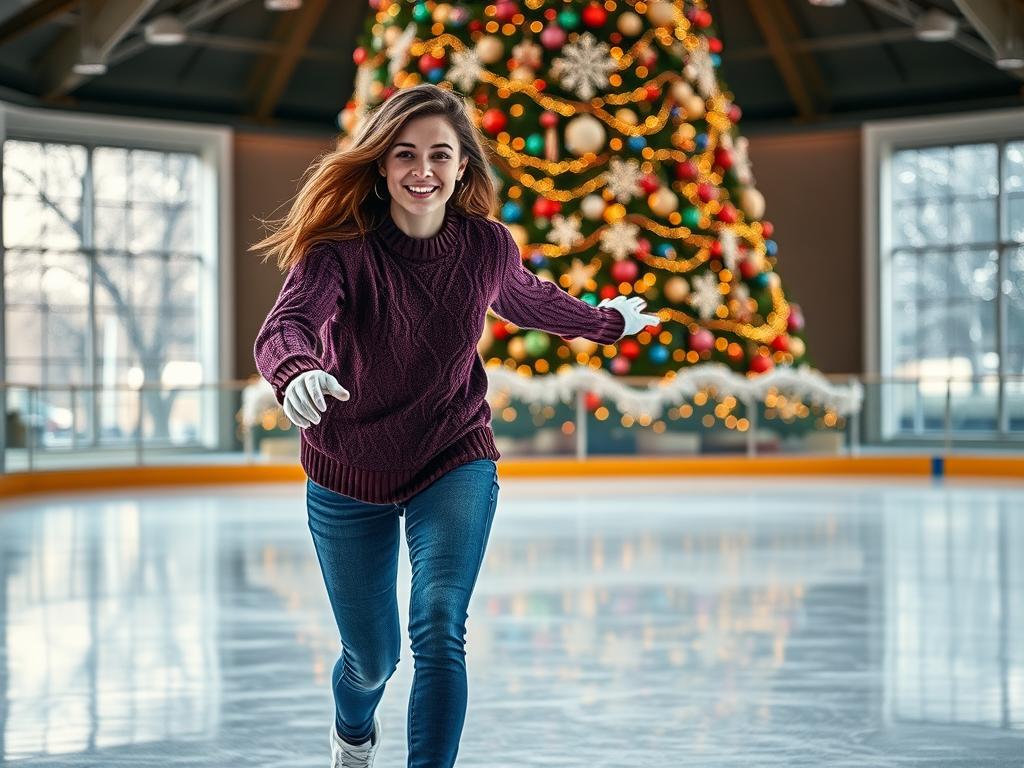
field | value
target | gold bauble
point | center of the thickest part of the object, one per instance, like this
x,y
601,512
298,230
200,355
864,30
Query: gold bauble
x,y
661,13
517,348
391,34
752,202
580,344
681,91
490,49
797,346
694,107
441,13
627,115
522,75
630,24
676,289
756,259
663,201
614,212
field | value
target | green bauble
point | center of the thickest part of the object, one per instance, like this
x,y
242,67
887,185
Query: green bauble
x,y
421,13
691,217
590,298
568,20
535,144
536,343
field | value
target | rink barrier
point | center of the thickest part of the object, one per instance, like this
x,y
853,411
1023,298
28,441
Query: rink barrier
x,y
913,466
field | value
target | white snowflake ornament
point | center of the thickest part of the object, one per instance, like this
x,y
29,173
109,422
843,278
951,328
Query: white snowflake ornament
x,y
465,69
398,51
623,179
701,70
565,232
705,296
585,66
730,248
620,239
738,150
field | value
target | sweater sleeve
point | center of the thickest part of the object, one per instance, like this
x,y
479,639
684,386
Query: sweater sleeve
x,y
287,343
530,302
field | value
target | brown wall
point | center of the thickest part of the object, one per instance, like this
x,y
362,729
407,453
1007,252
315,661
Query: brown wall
x,y
267,172
812,187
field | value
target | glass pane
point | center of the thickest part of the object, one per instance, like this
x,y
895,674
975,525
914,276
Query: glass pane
x,y
904,276
974,274
1014,296
904,326
182,235
933,275
933,169
904,174
973,404
110,174
972,325
183,178
904,225
975,170
932,328
111,229
1015,217
113,280
147,176
973,221
36,223
147,229
1014,181
933,221
51,171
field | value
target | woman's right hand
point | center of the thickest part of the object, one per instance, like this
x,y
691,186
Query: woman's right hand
x,y
304,397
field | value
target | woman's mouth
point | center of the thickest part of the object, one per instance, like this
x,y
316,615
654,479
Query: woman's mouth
x,y
422,192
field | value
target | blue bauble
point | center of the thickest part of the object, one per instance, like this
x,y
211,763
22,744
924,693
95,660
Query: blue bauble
x,y
511,212
535,144
664,250
658,353
674,112
436,75
760,280
701,141
716,59
538,259
636,143
770,247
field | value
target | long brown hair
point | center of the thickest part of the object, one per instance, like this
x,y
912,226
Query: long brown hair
x,y
337,199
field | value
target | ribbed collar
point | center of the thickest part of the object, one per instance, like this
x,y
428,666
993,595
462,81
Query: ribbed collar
x,y
437,246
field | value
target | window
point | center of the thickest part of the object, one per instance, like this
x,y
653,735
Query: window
x,y
945,217
112,277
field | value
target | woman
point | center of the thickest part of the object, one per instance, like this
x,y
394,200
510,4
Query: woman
x,y
392,263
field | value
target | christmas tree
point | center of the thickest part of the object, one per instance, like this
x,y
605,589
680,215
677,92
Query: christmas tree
x,y
615,150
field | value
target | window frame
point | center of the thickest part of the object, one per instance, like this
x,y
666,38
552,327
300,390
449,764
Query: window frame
x,y
213,144
881,139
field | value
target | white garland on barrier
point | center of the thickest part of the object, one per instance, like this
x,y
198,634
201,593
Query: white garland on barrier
x,y
803,382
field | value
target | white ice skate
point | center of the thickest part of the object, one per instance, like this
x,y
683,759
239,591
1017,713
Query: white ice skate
x,y
345,755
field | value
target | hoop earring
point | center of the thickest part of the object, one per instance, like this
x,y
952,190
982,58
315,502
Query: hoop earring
x,y
378,194
461,192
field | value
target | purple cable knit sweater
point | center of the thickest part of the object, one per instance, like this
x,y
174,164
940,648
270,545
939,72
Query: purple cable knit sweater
x,y
396,320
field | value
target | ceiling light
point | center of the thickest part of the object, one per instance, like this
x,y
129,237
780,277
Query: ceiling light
x,y
282,5
165,29
935,26
828,3
90,61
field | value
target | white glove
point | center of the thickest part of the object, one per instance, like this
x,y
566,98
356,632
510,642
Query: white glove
x,y
629,308
304,397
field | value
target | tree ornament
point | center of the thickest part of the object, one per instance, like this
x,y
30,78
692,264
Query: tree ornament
x,y
686,170
691,217
584,133
504,10
701,340
552,37
536,343
493,121
727,214
761,363
630,24
629,349
591,401
661,13
592,207
594,16
624,271
490,49
619,365
584,66
752,203
707,192
619,239
663,202
565,231
705,296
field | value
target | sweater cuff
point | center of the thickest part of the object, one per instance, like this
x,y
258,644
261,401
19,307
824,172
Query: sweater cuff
x,y
615,328
288,370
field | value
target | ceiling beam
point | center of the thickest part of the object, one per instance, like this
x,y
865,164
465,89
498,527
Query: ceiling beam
x,y
272,73
907,12
999,22
32,16
104,24
829,43
799,70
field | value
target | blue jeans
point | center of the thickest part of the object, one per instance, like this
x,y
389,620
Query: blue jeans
x,y
446,525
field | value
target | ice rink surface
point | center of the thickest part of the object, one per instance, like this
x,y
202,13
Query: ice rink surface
x,y
626,622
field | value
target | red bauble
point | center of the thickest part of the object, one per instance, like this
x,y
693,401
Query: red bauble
x,y
591,401
546,208
767,228
476,25
781,343
723,158
747,269
608,292
686,170
482,98
359,55
702,19
701,340
504,10
707,192
624,271
594,16
795,321
714,45
500,331
629,349
548,119
649,183
735,113
493,121
643,246
428,62
727,214
540,85
761,364
715,249
652,92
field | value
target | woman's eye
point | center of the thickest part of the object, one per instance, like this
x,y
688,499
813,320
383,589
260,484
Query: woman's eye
x,y
442,155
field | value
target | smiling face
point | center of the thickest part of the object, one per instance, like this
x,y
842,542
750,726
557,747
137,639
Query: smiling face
x,y
424,156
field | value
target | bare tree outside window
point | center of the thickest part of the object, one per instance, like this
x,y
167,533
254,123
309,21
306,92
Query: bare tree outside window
x,y
101,278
